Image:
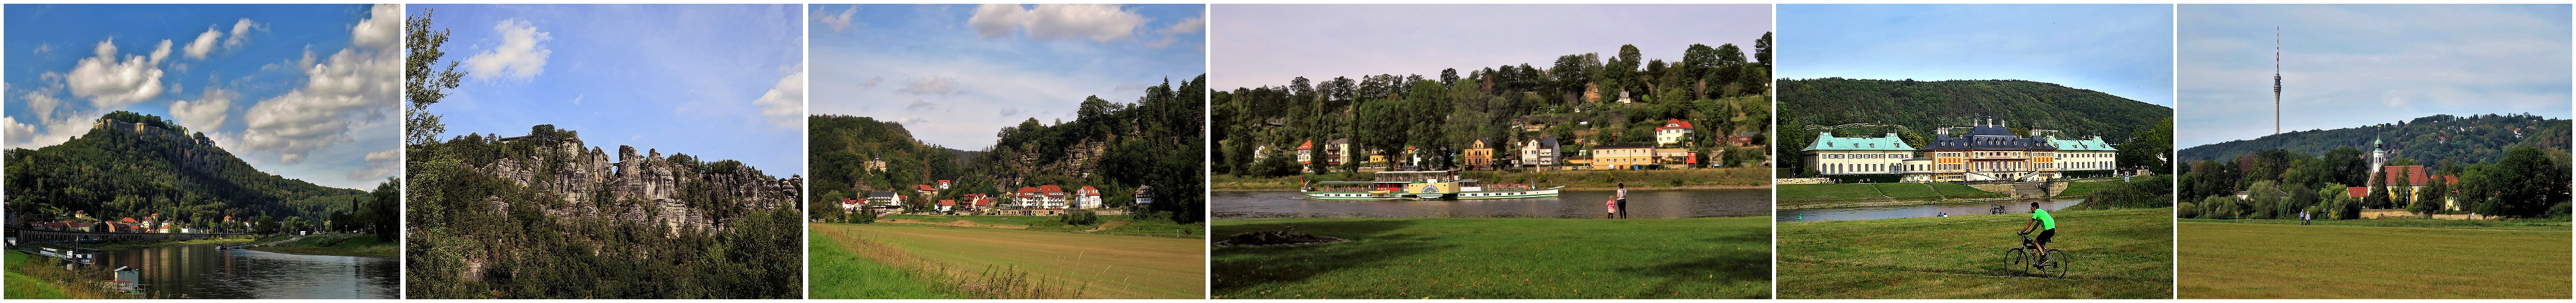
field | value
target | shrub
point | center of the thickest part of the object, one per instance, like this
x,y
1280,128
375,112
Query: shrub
x,y
1078,217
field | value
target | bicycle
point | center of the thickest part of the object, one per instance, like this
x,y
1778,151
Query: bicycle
x,y
2054,266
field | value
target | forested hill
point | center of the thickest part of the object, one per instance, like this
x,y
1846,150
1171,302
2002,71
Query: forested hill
x,y
2427,140
1157,141
1863,107
1923,105
135,165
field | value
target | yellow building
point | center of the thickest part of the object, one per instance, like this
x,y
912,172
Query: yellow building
x,y
1623,156
1479,154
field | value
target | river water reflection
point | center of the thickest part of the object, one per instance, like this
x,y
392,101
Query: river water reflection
x,y
1913,211
203,272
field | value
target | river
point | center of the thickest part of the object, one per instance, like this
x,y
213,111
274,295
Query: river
x,y
203,272
1927,210
1681,203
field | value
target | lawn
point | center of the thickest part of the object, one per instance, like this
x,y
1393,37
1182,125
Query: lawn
x,y
1501,258
854,277
1096,266
354,245
2337,260
2118,254
1793,196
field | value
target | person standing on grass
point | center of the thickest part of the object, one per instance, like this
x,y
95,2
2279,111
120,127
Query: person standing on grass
x,y
1623,200
1610,209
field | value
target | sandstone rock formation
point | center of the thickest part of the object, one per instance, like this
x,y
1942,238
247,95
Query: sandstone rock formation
x,y
642,188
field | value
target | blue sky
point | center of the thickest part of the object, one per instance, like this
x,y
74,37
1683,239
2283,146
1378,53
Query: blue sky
x,y
954,74
2347,66
2123,50
1259,45
712,81
308,92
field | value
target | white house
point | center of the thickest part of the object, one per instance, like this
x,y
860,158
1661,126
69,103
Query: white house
x,y
1674,131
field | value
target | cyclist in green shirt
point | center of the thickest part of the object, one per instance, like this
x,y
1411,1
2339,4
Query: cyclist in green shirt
x,y
2046,224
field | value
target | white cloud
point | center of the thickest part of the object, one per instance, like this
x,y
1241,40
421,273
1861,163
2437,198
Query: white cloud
x,y
380,164
43,103
109,83
872,82
785,102
931,86
1098,22
161,51
384,32
917,104
1008,111
241,33
841,21
576,100
208,112
522,53
1173,34
912,121
44,47
54,131
352,89
205,43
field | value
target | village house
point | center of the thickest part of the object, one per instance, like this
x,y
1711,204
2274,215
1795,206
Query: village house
x,y
1741,139
925,190
852,205
943,184
1674,132
885,199
945,205
1991,152
1540,152
1086,197
1479,154
1623,156
1144,196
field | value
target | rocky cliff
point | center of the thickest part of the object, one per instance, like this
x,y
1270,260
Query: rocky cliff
x,y
642,188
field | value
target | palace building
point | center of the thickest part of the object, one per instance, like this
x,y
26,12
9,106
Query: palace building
x,y
1985,152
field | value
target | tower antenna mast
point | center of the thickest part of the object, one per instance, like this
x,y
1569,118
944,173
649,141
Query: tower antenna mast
x,y
2276,80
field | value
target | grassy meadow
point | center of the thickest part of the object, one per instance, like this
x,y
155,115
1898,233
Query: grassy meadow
x,y
2352,259
1501,258
33,277
999,263
2117,254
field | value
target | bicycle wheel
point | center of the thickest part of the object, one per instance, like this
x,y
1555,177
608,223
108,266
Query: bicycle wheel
x,y
2057,260
2015,257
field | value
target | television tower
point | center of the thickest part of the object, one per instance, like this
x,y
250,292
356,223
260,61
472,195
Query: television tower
x,y
2276,80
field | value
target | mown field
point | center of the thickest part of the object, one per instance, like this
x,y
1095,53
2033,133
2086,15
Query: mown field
x,y
1794,196
2349,259
2117,254
1094,266
1733,177
1501,258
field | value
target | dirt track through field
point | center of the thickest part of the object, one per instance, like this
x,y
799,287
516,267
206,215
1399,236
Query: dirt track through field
x,y
1107,267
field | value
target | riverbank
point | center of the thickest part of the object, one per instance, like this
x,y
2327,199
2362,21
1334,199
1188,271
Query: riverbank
x,y
1812,196
352,245
143,244
34,277
2118,254
1500,258
1711,178
1122,225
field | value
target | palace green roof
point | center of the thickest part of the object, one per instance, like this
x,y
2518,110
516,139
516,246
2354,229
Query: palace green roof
x,y
1827,141
2089,144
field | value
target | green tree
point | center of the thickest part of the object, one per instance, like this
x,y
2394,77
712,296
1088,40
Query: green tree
x,y
422,85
